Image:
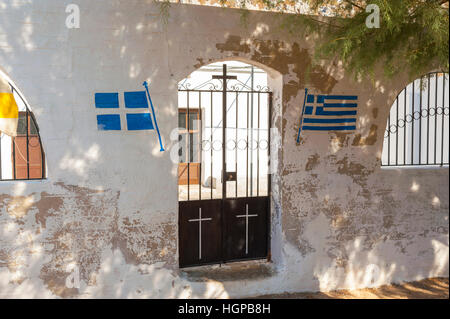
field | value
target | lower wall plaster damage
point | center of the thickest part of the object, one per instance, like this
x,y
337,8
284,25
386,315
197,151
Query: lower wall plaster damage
x,y
335,213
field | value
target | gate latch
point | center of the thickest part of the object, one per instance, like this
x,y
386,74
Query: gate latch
x,y
230,176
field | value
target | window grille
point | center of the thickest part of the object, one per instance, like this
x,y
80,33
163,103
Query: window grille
x,y
417,130
22,156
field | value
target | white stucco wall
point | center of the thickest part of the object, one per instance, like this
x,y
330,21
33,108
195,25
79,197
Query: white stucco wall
x,y
110,202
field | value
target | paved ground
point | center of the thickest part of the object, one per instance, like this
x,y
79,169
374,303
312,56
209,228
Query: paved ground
x,y
432,288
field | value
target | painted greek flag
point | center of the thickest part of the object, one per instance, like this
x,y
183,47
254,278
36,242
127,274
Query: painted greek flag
x,y
328,113
134,121
137,112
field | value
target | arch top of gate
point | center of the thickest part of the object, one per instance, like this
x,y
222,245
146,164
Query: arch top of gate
x,y
216,84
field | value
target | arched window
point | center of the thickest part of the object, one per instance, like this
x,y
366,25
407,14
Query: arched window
x,y
417,130
22,155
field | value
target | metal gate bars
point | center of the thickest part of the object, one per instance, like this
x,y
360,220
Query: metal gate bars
x,y
417,129
223,174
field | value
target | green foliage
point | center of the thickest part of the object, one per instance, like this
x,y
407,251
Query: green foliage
x,y
164,8
413,34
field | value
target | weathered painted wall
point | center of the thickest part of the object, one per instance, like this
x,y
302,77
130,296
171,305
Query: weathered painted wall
x,y
109,204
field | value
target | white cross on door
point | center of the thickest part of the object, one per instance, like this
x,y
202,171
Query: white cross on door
x,y
246,216
199,220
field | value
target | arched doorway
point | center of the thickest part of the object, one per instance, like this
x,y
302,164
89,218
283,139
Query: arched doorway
x,y
224,117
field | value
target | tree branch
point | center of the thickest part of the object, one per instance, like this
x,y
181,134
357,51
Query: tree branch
x,y
354,4
324,22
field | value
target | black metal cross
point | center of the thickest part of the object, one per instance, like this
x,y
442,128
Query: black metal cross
x,y
224,77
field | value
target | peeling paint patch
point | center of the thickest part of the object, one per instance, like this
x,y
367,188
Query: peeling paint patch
x,y
47,206
143,243
354,170
370,139
19,206
375,112
339,140
56,283
279,56
312,162
78,228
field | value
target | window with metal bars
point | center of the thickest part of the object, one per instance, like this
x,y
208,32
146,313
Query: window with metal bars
x,y
22,157
417,129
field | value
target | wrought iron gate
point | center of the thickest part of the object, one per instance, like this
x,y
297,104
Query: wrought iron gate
x,y
224,177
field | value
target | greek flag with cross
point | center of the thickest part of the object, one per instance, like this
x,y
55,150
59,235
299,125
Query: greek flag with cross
x,y
328,113
135,103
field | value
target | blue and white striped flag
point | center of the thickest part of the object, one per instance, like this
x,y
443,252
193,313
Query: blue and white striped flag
x,y
328,113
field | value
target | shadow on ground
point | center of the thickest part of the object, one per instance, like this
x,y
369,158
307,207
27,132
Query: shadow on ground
x,y
432,288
